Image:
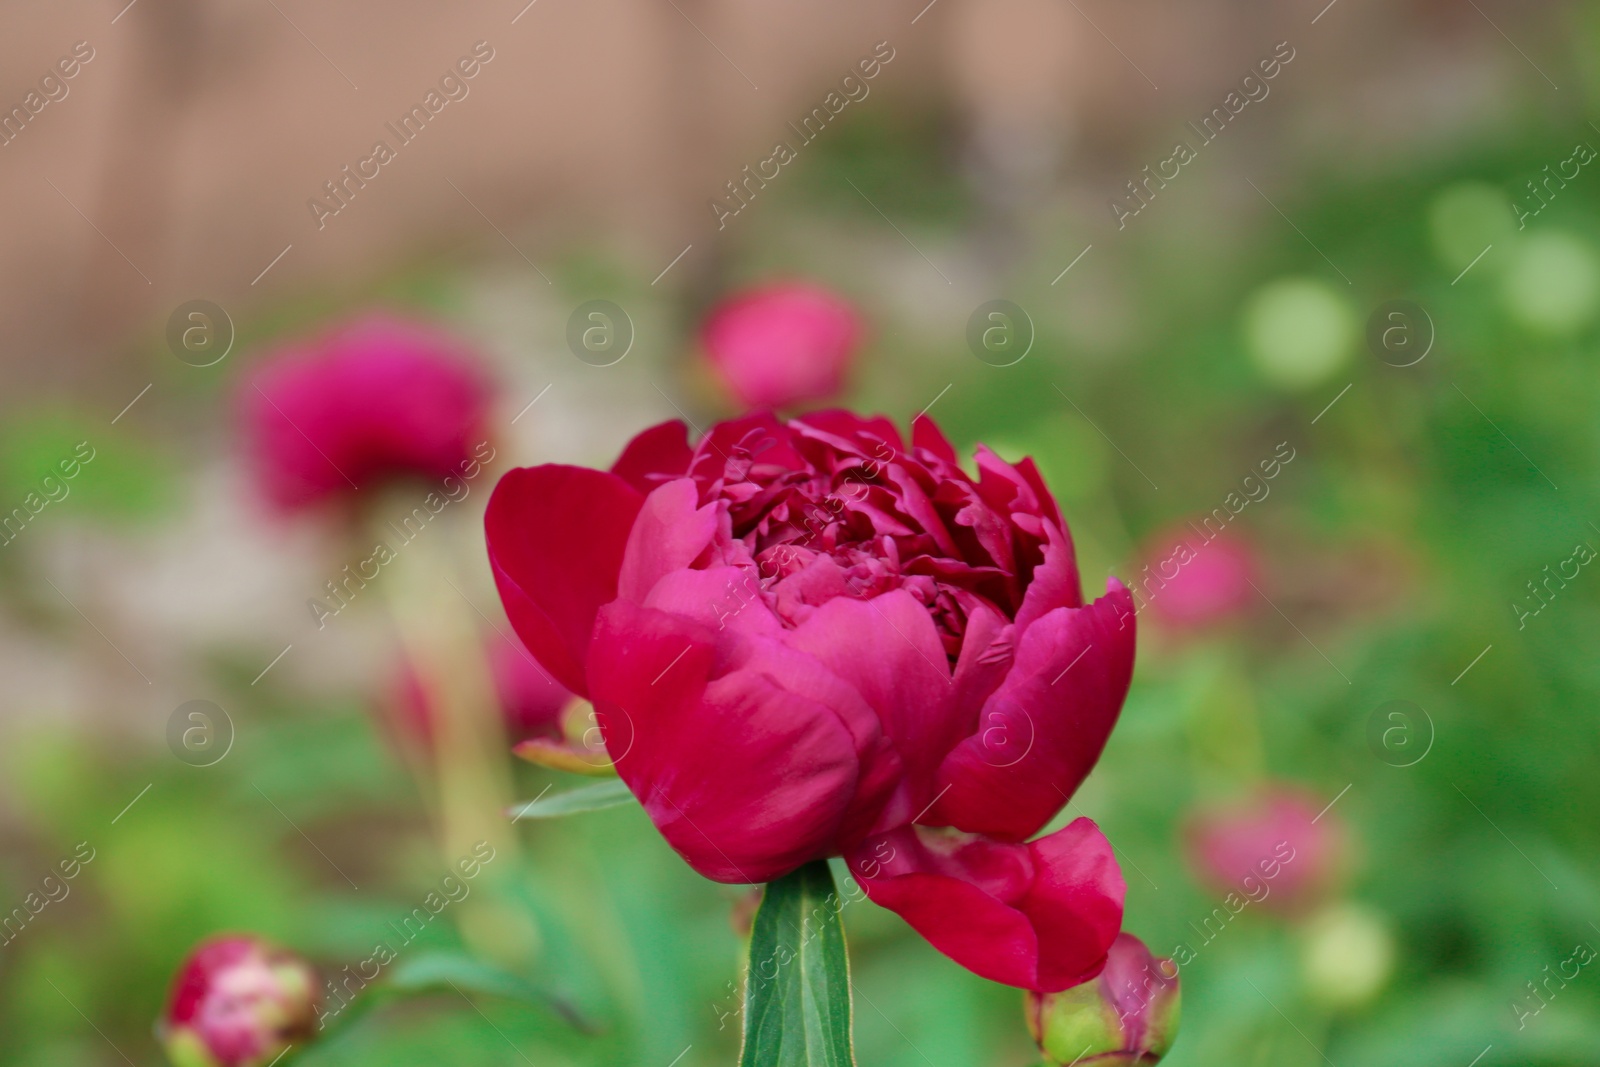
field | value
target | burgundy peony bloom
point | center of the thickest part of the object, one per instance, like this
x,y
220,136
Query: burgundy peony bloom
x,y
531,702
378,397
1271,848
782,344
807,639
238,1002
1128,1016
1193,582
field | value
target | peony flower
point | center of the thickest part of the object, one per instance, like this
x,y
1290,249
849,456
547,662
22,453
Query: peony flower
x,y
1192,582
368,400
238,1002
1271,847
782,344
1128,1016
531,702
806,639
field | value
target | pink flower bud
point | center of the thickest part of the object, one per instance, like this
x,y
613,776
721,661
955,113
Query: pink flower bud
x,y
1270,848
238,1001
782,344
1192,580
368,400
1128,1015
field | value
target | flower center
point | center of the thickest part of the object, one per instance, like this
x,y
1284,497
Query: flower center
x,y
811,535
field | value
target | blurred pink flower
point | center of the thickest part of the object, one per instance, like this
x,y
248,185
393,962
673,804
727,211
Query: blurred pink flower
x,y
531,702
1271,848
1193,582
369,399
782,344
530,699
238,1001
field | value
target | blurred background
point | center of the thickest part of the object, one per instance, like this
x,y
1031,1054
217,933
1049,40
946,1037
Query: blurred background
x,y
1353,245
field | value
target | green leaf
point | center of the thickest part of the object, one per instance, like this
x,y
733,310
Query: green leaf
x,y
797,988
444,971
595,797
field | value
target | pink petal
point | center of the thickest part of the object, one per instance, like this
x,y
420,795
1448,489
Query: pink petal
x,y
988,649
655,455
1039,916
669,533
1055,581
925,434
718,598
852,433
1041,732
1047,503
556,537
757,438
888,649
745,778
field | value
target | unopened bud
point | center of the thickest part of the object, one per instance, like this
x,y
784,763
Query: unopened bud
x,y
1279,847
1128,1015
1347,955
581,748
238,1001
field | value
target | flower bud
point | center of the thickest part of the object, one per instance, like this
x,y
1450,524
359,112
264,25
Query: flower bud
x,y
367,401
1197,578
580,747
1299,331
1275,848
782,344
1347,955
1128,1015
238,1001
1552,283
